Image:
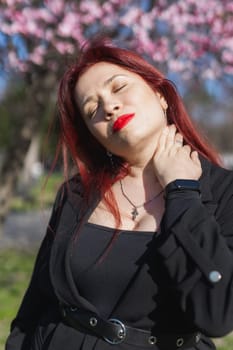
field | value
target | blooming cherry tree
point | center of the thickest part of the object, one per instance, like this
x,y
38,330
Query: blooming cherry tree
x,y
190,37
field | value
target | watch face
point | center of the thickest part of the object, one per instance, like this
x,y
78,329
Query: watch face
x,y
183,184
188,184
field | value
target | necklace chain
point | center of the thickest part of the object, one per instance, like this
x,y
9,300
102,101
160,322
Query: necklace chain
x,y
135,208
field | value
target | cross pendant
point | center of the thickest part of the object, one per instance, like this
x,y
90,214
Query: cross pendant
x,y
134,213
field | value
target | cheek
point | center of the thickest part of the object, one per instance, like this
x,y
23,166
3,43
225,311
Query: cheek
x,y
145,98
153,107
154,114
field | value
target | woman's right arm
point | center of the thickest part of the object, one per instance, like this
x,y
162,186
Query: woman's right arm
x,y
39,292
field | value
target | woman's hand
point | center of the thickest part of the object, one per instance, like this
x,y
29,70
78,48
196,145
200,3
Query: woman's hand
x,y
173,160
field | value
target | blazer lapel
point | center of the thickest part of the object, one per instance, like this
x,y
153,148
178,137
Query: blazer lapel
x,y
73,216
206,193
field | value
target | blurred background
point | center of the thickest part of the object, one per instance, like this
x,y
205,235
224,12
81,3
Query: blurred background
x,y
191,41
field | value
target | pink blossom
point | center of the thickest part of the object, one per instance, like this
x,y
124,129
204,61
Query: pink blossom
x,y
90,9
214,70
69,24
49,34
147,20
131,17
226,43
209,74
15,63
55,6
176,65
227,57
117,2
37,15
107,8
6,28
15,2
217,26
37,56
228,70
63,47
13,59
229,6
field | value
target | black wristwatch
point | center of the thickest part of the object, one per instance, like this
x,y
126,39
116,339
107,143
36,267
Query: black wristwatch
x,y
183,184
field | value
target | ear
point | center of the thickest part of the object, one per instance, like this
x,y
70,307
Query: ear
x,y
162,100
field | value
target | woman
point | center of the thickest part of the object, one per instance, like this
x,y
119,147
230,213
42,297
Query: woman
x,y
138,252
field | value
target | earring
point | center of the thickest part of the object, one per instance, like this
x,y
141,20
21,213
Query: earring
x,y
165,113
109,154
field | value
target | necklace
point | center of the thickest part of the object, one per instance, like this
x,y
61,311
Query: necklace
x,y
135,208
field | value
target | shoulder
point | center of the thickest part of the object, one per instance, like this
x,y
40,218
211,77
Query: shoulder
x,y
71,191
67,206
219,179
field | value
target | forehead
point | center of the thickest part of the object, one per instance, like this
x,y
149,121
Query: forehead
x,y
96,75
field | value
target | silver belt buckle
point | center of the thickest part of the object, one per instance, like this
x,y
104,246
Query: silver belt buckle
x,y
121,333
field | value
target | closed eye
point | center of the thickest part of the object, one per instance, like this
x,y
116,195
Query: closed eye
x,y
92,113
116,89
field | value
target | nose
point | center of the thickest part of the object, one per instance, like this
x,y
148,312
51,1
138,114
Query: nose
x,y
111,109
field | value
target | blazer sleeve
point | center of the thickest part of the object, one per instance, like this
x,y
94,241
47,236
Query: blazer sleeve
x,y
36,297
196,249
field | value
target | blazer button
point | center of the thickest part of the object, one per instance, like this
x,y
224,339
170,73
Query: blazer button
x,y
93,321
152,340
179,342
215,276
198,337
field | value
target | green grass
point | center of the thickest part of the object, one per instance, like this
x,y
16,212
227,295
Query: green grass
x,y
225,343
39,195
15,272
16,266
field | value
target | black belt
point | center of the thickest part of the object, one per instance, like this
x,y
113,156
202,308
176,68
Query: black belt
x,y
115,331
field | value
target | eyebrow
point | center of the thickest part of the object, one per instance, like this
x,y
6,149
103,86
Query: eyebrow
x,y
108,81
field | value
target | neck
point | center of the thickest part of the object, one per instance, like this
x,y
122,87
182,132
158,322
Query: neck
x,y
143,180
146,171
141,164
142,173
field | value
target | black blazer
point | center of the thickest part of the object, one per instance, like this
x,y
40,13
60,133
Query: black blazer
x,y
194,249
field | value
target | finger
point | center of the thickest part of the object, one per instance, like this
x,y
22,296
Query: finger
x,y
170,137
162,140
178,142
195,157
187,149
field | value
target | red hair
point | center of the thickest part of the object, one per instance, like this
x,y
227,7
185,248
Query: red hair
x,y
88,155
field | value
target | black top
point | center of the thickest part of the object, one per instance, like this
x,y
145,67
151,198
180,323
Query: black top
x,y
178,281
103,283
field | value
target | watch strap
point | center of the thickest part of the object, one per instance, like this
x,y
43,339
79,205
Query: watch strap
x,y
183,185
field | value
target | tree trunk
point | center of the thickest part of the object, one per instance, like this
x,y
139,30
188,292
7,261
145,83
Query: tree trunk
x,y
32,157
40,86
13,162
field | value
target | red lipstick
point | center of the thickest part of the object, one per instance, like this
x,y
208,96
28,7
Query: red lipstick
x,y
122,121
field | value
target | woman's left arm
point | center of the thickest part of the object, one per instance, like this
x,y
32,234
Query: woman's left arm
x,y
196,239
196,247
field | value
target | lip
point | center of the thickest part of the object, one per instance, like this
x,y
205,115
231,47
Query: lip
x,y
121,121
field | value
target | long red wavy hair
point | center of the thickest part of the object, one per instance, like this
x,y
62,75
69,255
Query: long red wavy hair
x,y
87,154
